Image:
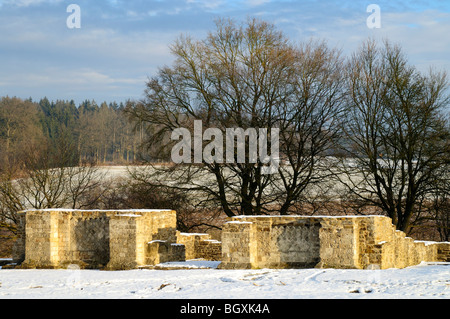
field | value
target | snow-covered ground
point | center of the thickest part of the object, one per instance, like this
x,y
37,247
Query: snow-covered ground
x,y
422,281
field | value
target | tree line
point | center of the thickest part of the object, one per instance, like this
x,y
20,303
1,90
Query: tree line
x,y
94,133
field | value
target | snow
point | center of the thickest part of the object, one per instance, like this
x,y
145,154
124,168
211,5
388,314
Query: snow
x,y
303,216
191,264
237,222
128,215
200,279
429,243
125,211
157,241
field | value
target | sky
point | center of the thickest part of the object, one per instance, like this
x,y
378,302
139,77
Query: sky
x,y
121,43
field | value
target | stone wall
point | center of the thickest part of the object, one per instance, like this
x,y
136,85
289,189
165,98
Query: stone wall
x,y
162,251
443,251
94,239
209,249
327,242
200,246
131,239
239,245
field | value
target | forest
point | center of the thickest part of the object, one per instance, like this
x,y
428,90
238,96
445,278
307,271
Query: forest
x,y
95,133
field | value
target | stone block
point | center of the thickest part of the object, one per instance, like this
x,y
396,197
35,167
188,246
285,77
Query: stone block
x,y
106,239
361,242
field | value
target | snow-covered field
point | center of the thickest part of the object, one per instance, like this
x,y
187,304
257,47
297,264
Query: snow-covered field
x,y
423,281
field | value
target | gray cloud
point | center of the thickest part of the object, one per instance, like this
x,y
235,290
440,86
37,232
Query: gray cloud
x,y
122,42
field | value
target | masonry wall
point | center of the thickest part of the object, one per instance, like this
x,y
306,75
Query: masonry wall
x,y
338,241
200,246
126,242
326,242
91,239
133,236
209,249
162,251
40,244
130,239
239,245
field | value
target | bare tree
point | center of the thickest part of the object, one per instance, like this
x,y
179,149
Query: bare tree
x,y
432,219
16,130
396,136
309,124
47,181
247,77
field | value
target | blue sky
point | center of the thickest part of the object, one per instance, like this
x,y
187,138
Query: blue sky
x,y
122,43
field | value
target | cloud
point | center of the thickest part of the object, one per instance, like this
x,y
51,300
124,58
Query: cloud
x,y
65,83
42,57
27,3
207,4
122,42
255,3
423,33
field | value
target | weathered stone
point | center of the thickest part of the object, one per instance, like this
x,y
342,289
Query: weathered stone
x,y
94,239
200,246
136,238
362,242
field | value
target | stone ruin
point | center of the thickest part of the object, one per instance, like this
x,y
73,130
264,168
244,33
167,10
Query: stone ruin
x,y
129,239
102,239
358,242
